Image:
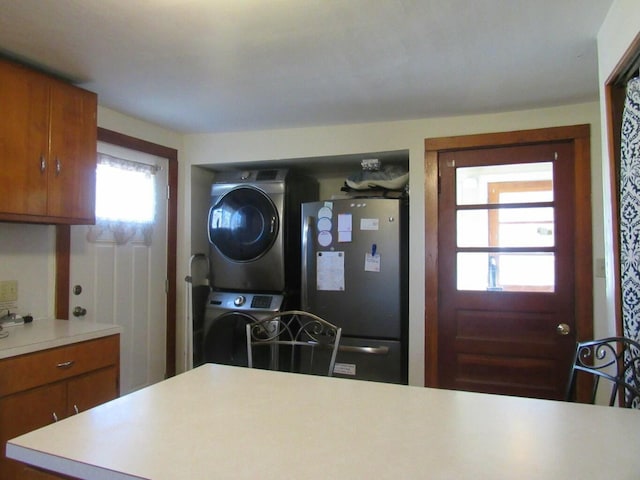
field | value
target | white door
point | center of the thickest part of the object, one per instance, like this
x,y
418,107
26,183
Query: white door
x,y
124,284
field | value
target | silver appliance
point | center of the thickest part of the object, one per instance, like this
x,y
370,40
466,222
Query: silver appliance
x,y
253,228
355,275
225,319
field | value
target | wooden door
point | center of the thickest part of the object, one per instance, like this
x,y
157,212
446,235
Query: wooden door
x,y
24,100
506,223
72,159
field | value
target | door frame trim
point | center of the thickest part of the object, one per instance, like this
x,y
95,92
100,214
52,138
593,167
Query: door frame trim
x,y
63,233
579,136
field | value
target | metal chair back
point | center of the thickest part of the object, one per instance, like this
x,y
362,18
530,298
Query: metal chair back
x,y
614,361
298,341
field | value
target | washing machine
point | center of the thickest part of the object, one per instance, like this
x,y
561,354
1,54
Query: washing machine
x,y
225,319
254,229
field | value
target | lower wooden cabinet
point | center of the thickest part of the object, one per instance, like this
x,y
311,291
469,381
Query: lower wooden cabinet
x,y
40,388
29,473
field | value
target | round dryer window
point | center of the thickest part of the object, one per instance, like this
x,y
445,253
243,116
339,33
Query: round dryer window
x,y
243,224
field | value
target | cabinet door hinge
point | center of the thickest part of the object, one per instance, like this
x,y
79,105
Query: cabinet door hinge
x,y
168,192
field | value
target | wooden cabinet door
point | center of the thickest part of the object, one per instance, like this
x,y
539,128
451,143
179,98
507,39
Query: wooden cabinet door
x,y
48,133
92,389
72,157
29,473
24,412
24,101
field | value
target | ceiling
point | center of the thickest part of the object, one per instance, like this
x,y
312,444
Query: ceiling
x,y
236,65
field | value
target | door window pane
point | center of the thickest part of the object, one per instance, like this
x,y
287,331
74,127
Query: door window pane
x,y
478,185
506,227
523,272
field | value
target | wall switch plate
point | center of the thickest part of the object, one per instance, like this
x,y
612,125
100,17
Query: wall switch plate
x,y
9,291
601,270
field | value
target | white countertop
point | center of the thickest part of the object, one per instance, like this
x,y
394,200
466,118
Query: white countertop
x,y
43,334
231,422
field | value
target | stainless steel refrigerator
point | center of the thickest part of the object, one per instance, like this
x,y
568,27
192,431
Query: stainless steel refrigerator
x,y
354,275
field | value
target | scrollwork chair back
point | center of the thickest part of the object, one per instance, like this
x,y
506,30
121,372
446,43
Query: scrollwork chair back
x,y
299,341
614,361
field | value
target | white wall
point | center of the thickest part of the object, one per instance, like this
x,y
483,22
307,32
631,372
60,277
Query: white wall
x,y
118,122
618,31
27,254
216,149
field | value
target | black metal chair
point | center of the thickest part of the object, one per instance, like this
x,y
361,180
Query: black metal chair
x,y
298,341
616,361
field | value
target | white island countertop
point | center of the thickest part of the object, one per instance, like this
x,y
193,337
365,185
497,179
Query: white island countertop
x,y
43,334
238,423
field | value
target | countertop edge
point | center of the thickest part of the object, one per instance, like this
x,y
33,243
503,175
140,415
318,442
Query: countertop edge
x,y
95,330
65,466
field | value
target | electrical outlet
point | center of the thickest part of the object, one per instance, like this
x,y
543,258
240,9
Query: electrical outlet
x,y
9,291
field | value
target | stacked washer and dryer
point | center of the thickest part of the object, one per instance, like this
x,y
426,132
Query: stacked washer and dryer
x,y
254,239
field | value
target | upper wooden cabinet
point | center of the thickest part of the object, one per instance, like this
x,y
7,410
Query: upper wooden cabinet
x,y
48,141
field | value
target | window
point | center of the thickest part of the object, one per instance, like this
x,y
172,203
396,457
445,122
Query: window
x,y
125,201
506,230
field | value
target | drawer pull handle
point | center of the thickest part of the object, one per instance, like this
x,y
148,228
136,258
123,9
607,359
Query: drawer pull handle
x,y
370,350
55,417
65,364
75,409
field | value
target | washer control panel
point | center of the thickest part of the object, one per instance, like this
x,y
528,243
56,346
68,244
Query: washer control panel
x,y
247,302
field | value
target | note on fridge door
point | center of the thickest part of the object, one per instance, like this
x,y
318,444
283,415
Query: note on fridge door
x,y
330,271
369,224
345,221
372,262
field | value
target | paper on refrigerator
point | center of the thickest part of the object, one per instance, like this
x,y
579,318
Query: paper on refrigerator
x,y
330,271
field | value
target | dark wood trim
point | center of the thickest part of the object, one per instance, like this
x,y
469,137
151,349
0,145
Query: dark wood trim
x,y
63,239
583,253
519,137
579,135
63,244
431,268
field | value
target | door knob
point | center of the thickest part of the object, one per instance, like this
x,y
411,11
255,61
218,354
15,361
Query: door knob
x,y
563,329
79,312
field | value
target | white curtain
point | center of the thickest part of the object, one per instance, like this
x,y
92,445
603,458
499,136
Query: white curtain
x,y
125,201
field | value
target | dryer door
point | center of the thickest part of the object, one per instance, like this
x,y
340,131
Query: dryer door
x,y
243,224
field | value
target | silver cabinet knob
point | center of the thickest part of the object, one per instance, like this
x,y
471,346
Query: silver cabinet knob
x,y
563,329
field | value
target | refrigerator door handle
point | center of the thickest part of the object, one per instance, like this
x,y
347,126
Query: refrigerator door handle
x,y
368,350
306,231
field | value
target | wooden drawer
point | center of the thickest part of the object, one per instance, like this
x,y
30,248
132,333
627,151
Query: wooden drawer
x,y
46,366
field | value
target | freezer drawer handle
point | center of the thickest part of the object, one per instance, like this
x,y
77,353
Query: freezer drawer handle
x,y
370,350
